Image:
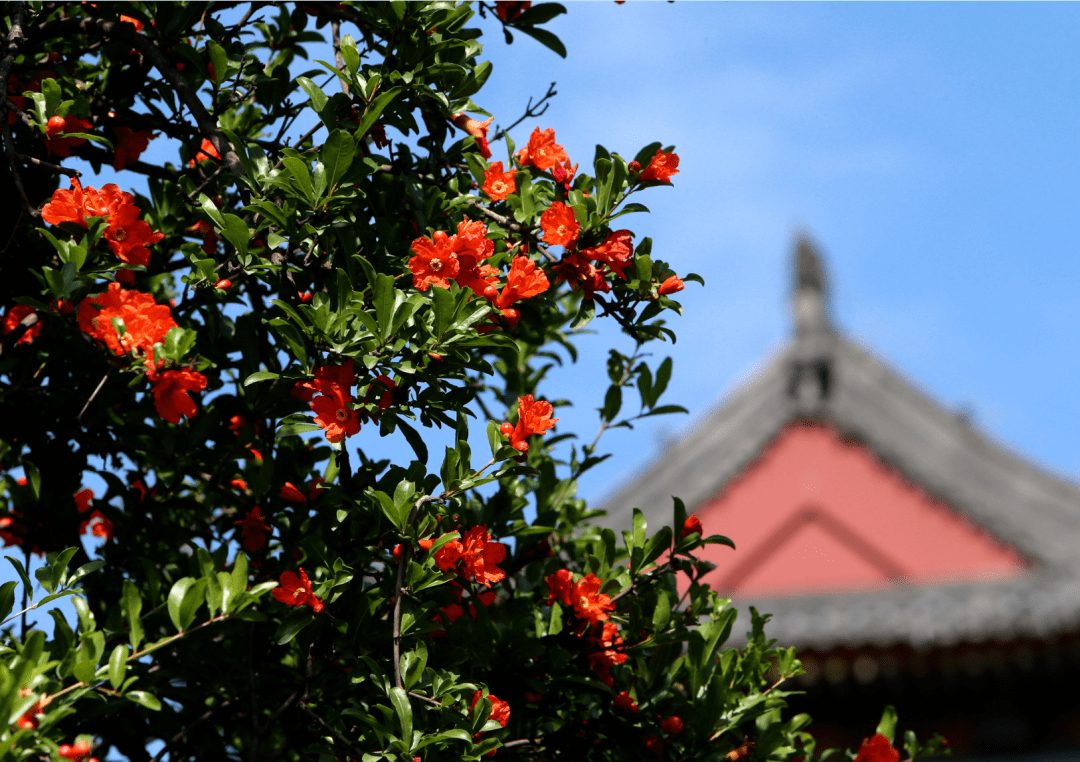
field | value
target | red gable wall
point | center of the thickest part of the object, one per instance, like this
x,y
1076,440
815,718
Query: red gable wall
x,y
816,514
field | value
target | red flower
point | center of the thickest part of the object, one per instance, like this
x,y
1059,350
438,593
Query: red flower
x,y
672,285
560,585
625,702
426,544
616,251
479,556
589,603
337,416
15,315
290,492
534,417
296,591
448,555
330,380
240,484
146,322
564,174
61,125
542,151
560,225
206,151
498,184
524,280
662,167
434,262
82,499
672,725
62,306
581,274
130,143
478,130
692,525
98,525
508,10
65,206
171,389
500,710
133,21
253,530
237,422
605,637
877,749
128,236
471,247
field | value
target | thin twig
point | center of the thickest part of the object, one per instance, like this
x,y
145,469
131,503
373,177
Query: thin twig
x,y
198,720
335,31
509,224
46,165
101,383
333,733
530,112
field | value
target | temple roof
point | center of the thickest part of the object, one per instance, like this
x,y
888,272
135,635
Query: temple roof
x,y
822,376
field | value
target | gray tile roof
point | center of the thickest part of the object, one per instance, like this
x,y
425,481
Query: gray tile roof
x,y
823,376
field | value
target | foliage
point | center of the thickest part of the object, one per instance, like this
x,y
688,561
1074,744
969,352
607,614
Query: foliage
x,y
259,595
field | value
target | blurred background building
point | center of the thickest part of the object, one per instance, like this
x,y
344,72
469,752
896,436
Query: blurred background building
x,y
912,560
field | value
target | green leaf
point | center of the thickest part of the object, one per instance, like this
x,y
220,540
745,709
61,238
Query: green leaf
x,y
403,710
118,661
444,306
659,542
350,54
384,299
176,600
211,210
131,606
545,38
237,233
7,599
337,155
142,698
317,96
220,59
887,726
555,620
301,172
374,110
662,612
297,620
586,312
415,441
540,14
640,525
33,477
295,429
262,375
612,403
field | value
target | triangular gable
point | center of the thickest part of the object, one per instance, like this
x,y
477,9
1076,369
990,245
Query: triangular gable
x,y
815,513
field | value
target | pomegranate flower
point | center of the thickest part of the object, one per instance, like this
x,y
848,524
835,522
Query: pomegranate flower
x,y
296,591
498,184
478,130
171,389
534,417
662,167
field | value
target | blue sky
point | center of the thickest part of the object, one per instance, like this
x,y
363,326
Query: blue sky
x,y
930,149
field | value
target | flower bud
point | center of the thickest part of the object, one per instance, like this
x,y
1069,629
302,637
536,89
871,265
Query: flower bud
x,y
223,285
672,725
671,286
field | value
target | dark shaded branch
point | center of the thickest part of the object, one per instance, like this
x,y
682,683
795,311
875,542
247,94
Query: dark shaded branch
x,y
15,36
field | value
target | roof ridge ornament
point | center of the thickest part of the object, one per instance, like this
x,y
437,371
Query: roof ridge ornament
x,y
810,298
